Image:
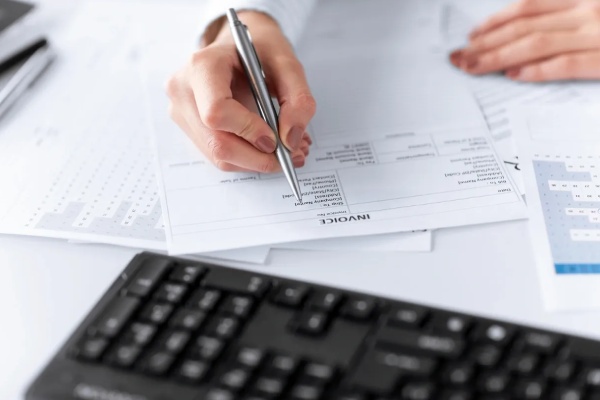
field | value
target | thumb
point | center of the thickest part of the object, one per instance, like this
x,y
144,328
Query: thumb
x,y
297,105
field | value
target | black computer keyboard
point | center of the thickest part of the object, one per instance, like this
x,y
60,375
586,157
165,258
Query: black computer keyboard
x,y
175,329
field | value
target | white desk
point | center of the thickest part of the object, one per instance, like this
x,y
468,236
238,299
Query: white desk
x,y
48,286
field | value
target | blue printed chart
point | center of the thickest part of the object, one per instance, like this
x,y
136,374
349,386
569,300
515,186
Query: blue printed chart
x,y
569,193
559,149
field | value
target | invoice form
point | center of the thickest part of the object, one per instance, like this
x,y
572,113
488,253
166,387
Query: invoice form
x,y
403,148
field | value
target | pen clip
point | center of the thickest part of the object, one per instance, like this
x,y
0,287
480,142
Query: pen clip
x,y
262,71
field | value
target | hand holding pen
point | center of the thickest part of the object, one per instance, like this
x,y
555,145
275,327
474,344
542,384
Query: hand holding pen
x,y
213,103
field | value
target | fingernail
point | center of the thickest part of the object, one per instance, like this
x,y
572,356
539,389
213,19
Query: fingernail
x,y
308,138
513,73
455,57
470,63
295,137
266,144
474,33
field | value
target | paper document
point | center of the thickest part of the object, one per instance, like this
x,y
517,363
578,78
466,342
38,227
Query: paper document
x,y
559,147
392,152
495,93
392,242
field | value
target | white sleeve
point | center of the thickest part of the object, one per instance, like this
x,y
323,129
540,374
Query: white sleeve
x,y
292,15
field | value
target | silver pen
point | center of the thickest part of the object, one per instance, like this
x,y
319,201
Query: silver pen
x,y
256,76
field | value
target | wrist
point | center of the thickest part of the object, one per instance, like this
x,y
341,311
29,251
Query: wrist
x,y
256,22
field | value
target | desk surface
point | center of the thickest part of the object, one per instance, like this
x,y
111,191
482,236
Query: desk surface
x,y
47,286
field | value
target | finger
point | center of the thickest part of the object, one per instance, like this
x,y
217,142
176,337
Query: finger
x,y
521,27
308,138
182,123
529,49
223,148
581,65
522,8
211,80
297,105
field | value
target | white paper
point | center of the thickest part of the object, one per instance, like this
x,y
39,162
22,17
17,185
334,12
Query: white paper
x,y
559,147
421,159
75,158
392,242
495,93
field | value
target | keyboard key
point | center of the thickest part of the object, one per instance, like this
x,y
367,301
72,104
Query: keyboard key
x,y
91,349
114,317
486,356
282,365
158,363
567,393
193,371
239,306
585,349
459,374
326,301
205,300
124,355
207,348
493,382
271,387
140,333
418,391
188,274
219,394
496,333
311,323
171,292
379,370
530,389
174,342
542,342
240,282
306,392
147,277
591,377
223,327
460,394
560,371
321,373
350,396
291,295
451,324
438,345
523,364
359,309
407,316
157,313
235,379
250,357
188,319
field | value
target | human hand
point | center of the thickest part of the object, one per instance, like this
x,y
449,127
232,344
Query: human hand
x,y
212,102
537,40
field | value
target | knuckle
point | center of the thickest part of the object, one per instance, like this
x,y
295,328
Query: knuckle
x,y
268,166
224,166
538,41
198,58
517,29
172,87
218,149
214,116
568,64
307,103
